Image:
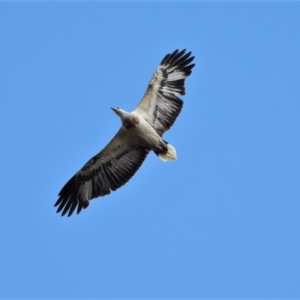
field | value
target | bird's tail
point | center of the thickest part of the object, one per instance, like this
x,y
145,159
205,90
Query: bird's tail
x,y
170,154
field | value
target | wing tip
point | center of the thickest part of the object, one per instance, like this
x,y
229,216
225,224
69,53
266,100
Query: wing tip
x,y
68,207
179,59
69,198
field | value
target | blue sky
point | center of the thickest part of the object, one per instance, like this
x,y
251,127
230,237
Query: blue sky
x,y
222,221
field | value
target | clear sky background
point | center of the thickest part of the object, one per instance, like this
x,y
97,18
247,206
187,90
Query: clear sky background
x,y
222,221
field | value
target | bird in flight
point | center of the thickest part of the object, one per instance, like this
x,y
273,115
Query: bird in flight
x,y
141,131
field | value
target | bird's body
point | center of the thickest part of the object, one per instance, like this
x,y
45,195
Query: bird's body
x,y
141,132
138,129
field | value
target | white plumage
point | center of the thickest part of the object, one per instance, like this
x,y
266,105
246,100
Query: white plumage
x,y
141,132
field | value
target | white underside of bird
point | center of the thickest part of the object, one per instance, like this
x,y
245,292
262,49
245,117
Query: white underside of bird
x,y
139,129
140,133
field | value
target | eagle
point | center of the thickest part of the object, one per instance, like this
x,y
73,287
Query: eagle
x,y
141,131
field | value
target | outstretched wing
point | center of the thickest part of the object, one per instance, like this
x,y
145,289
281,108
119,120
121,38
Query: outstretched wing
x,y
160,106
108,170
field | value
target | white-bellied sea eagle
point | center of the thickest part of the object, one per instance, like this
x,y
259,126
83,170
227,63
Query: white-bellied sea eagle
x,y
141,131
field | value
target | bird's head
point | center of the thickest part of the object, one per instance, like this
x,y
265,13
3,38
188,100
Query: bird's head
x,y
120,112
128,119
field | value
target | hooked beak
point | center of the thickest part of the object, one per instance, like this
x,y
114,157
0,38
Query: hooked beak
x,y
118,111
115,110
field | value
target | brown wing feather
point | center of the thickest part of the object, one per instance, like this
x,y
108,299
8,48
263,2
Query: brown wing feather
x,y
160,106
105,172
